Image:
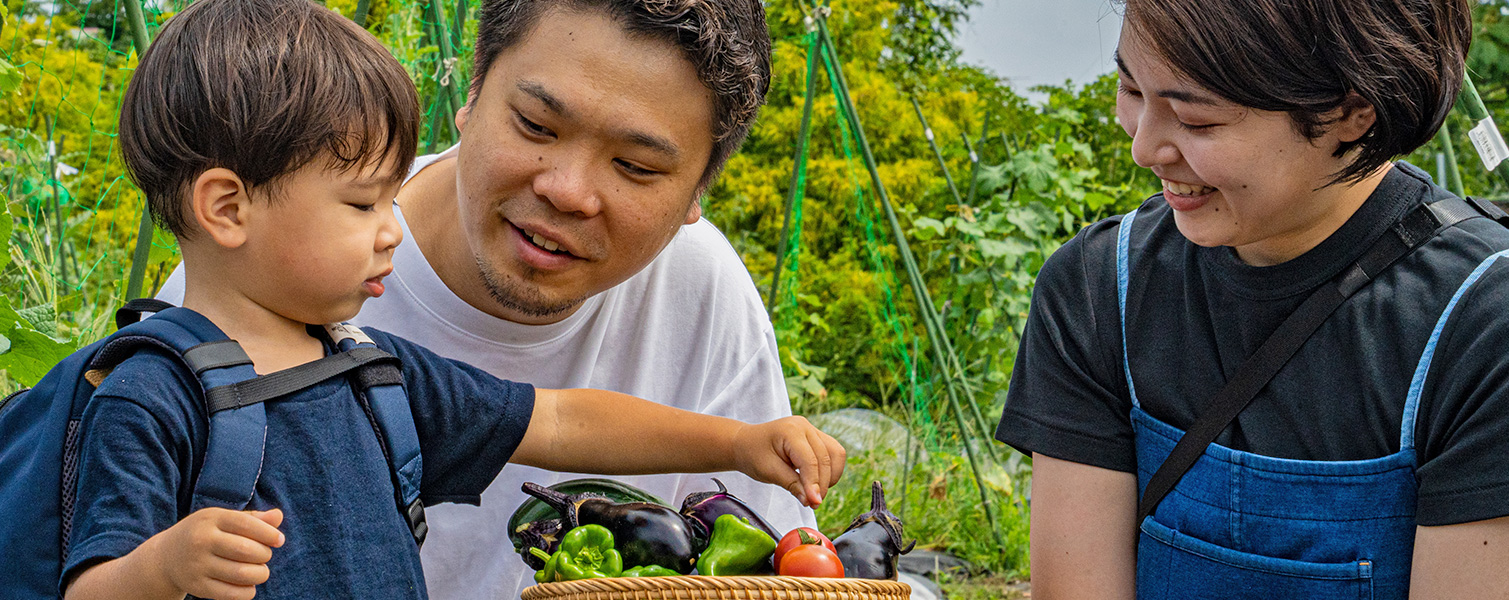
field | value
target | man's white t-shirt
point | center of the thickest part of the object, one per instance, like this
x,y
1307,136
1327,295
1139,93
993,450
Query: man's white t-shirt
x,y
688,331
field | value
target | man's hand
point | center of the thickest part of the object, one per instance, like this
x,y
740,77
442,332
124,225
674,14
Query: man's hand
x,y
793,454
212,553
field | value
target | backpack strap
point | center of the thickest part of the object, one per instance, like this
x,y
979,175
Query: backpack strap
x,y
381,387
1489,210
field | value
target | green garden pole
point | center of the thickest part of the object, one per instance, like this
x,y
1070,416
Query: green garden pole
x,y
798,171
363,7
141,40
1485,135
1453,181
927,131
919,290
447,54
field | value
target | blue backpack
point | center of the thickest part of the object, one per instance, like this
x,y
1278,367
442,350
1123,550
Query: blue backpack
x,y
39,430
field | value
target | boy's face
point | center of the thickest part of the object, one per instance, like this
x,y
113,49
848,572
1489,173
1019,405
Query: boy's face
x,y
579,161
320,246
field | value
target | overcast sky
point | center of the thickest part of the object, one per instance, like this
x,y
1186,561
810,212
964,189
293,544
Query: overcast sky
x,y
1035,42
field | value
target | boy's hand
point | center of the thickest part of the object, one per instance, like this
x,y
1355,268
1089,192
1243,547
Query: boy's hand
x,y
219,553
793,454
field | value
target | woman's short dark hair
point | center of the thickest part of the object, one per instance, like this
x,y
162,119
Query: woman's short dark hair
x,y
726,40
263,88
1304,57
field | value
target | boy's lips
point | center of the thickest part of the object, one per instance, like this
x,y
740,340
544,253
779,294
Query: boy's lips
x,y
374,285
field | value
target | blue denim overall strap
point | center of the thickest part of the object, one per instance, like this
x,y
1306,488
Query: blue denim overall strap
x,y
1241,525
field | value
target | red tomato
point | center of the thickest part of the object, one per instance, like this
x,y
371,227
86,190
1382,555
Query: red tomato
x,y
793,539
811,560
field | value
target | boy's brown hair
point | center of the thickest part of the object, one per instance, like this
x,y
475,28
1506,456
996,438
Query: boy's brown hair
x,y
262,88
1304,57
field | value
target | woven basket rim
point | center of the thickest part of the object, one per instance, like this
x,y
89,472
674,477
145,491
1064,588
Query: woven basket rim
x,y
757,586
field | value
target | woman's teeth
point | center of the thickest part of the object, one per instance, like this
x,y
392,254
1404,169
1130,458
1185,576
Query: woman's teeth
x,y
1186,189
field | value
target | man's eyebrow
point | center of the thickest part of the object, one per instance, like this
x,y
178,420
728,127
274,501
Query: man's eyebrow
x,y
1180,95
553,104
653,142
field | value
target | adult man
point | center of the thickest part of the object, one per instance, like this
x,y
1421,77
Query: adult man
x,y
560,243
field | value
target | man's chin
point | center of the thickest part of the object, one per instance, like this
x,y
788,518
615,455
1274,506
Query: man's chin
x,y
527,300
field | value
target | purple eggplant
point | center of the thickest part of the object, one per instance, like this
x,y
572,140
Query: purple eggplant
x,y
702,508
643,532
544,534
869,547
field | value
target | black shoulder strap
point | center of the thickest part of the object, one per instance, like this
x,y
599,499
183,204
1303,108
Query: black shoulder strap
x,y
1417,227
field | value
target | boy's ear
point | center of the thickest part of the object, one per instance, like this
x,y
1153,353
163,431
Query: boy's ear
x,y
220,201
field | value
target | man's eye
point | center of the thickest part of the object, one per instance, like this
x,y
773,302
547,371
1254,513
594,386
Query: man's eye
x,y
533,127
634,169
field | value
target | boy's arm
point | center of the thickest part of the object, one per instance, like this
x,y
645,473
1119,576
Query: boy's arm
x,y
604,432
212,553
1084,531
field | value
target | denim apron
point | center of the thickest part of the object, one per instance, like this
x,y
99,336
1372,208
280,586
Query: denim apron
x,y
1241,525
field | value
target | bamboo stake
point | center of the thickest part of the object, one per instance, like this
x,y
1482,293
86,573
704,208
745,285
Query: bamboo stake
x,y
798,172
919,290
1453,181
927,131
141,39
363,7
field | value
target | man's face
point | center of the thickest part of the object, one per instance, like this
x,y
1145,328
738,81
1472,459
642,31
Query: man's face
x,y
580,158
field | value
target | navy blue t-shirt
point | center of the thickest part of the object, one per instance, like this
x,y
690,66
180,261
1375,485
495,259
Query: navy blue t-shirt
x,y
144,436
1194,314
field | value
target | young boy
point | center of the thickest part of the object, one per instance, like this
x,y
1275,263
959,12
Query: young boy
x,y
270,137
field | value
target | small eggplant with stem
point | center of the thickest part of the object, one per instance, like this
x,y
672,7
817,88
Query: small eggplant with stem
x,y
544,534
645,533
869,547
702,509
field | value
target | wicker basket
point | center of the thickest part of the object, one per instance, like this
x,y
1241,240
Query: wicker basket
x,y
696,587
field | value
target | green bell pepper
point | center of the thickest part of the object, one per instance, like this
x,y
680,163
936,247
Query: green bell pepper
x,y
648,571
735,548
586,552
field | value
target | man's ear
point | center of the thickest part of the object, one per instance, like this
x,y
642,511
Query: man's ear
x,y
694,212
221,203
1357,117
461,115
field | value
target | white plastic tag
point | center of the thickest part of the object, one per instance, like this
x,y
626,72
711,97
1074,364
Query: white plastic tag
x,y
344,331
1489,143
929,133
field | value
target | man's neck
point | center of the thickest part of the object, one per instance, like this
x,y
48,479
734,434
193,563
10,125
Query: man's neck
x,y
429,204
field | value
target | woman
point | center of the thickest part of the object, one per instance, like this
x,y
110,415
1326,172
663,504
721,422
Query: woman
x,y
1367,464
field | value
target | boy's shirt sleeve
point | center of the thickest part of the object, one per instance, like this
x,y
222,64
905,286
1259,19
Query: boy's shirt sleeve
x,y
135,457
469,422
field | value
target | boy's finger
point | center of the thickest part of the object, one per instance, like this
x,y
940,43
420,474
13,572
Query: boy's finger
x,y
241,549
248,525
220,590
824,463
799,454
840,457
272,517
239,574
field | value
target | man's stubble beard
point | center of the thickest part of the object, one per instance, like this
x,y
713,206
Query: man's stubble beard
x,y
518,296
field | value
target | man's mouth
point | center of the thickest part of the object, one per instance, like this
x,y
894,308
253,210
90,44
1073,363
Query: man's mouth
x,y
1185,189
542,242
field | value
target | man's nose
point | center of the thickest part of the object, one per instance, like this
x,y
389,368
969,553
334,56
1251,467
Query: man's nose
x,y
568,183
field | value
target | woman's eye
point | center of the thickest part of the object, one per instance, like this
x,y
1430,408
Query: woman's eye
x,y
634,169
1122,87
532,127
1196,127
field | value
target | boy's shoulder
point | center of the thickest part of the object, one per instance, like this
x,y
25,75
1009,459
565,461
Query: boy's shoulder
x,y
151,376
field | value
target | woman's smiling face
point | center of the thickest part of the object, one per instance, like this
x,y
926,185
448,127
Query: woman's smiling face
x,y
1234,175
